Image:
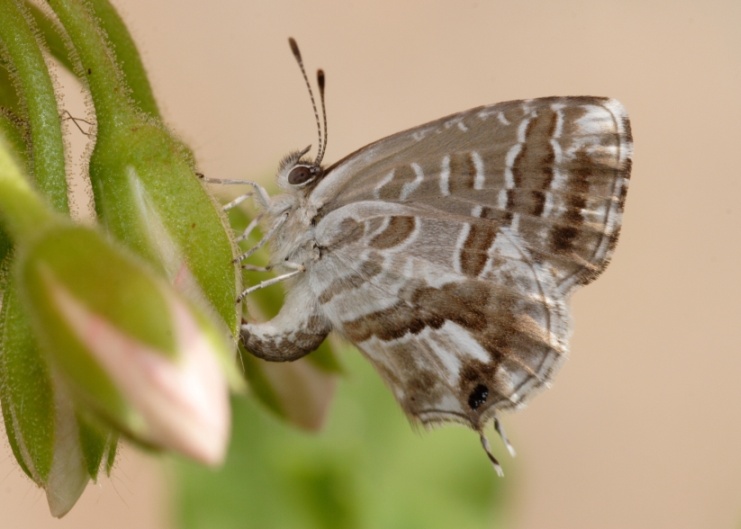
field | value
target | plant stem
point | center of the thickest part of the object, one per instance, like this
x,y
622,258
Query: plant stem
x,y
52,34
37,93
127,56
104,77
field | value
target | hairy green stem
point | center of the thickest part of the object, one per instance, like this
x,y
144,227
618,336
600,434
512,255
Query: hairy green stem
x,y
127,56
97,64
52,34
37,93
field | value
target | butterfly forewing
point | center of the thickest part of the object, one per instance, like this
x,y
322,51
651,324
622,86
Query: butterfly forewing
x,y
553,169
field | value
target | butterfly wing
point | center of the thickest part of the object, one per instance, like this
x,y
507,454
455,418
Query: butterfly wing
x,y
448,251
452,346
554,171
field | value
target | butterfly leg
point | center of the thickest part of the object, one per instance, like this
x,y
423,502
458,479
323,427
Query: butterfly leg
x,y
298,329
249,229
234,203
296,269
259,192
269,235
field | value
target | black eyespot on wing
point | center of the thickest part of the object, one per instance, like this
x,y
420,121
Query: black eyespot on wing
x,y
478,396
301,175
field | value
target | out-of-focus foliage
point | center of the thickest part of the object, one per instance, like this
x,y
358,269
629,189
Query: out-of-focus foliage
x,y
366,469
86,353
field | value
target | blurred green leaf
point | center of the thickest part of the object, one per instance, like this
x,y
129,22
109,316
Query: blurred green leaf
x,y
259,384
367,469
325,359
5,246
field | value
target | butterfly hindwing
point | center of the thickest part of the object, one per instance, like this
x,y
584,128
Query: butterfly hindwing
x,y
454,341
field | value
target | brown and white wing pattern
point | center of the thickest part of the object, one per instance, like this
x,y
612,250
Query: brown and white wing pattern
x,y
554,170
452,344
447,252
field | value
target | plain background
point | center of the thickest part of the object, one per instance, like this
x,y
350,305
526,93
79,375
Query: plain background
x,y
642,428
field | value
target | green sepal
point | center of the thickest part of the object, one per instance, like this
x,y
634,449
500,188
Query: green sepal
x,y
99,443
94,272
77,261
26,391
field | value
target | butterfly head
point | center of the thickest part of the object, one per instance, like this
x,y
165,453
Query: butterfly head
x,y
298,173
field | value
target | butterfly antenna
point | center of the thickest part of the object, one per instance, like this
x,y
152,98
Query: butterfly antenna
x,y
320,81
300,61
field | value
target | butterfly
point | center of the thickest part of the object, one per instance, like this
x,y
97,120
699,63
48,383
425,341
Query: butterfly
x,y
447,253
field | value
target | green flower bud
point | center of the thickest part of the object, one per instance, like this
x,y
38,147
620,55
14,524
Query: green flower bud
x,y
147,195
139,355
56,450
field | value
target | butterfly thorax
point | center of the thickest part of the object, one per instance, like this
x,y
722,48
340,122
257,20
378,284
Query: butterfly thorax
x,y
291,240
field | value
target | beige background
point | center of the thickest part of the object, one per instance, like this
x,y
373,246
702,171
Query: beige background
x,y
643,426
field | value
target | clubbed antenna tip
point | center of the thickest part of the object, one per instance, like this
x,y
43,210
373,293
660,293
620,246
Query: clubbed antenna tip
x,y
294,48
320,82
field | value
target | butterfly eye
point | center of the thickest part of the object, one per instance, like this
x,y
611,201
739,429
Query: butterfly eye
x,y
301,175
478,396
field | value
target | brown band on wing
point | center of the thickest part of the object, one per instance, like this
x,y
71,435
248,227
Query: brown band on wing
x,y
462,172
398,230
391,190
533,165
475,250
